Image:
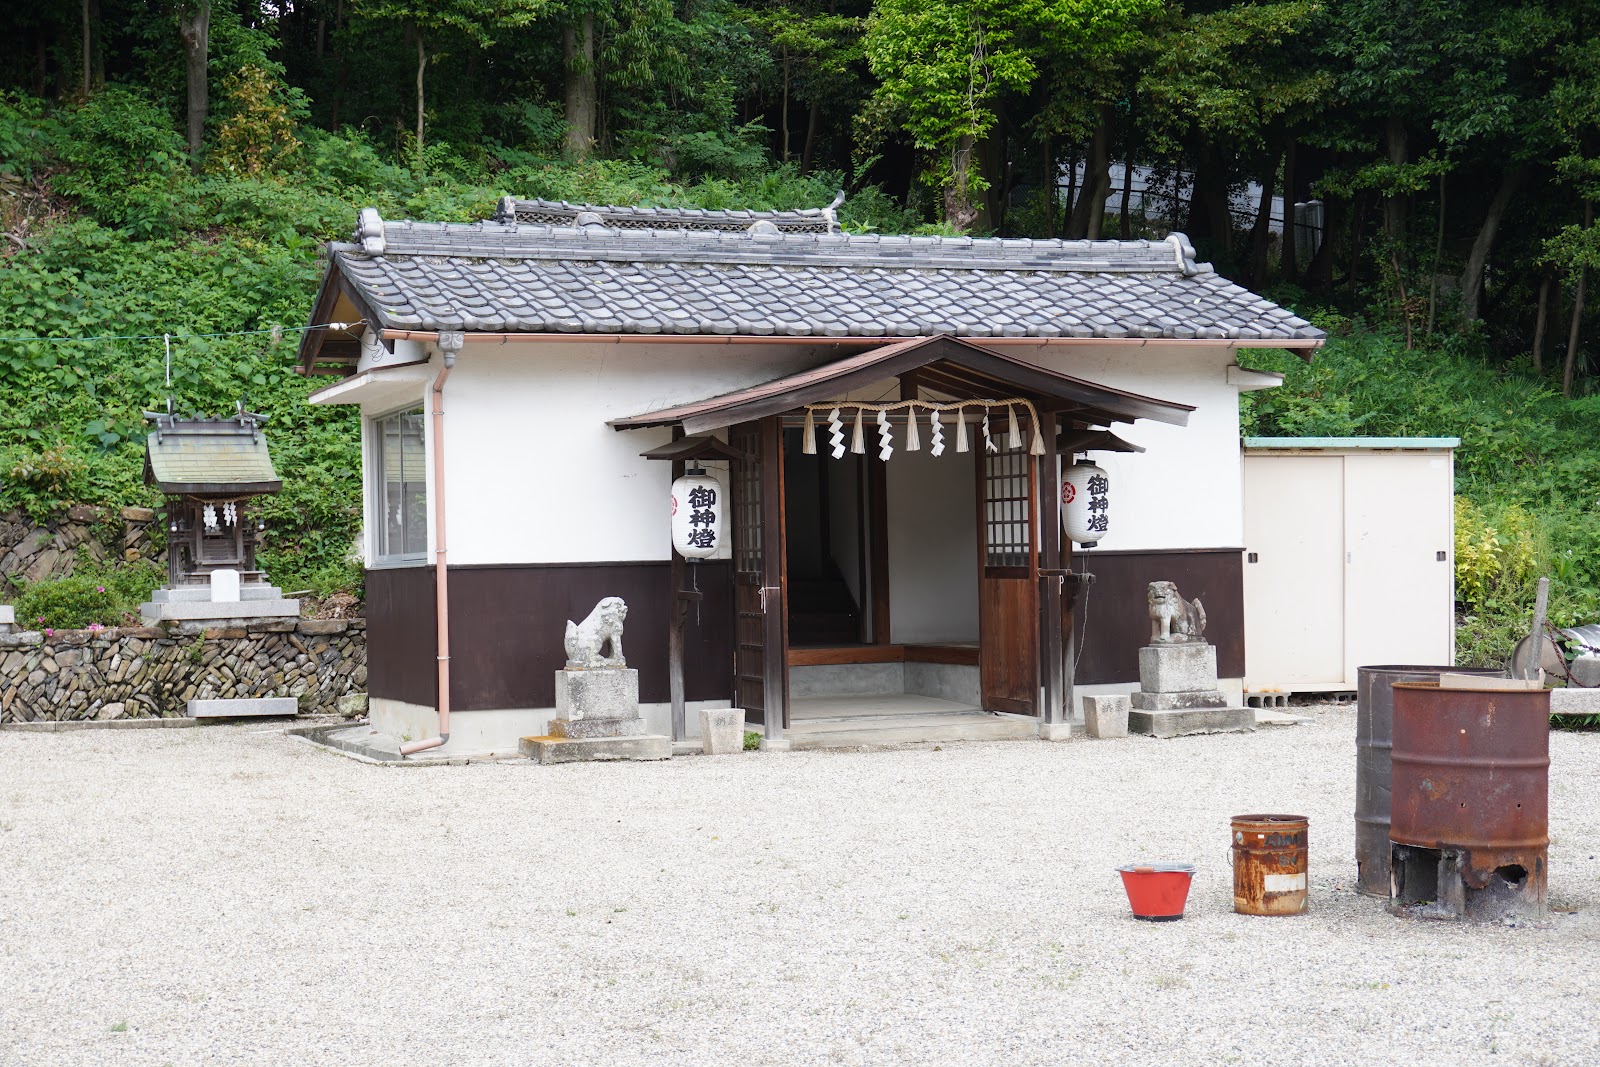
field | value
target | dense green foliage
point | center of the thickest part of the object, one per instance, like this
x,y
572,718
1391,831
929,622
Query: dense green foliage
x,y
93,595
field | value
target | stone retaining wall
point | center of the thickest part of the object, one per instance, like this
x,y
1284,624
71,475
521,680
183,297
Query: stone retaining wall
x,y
152,672
36,552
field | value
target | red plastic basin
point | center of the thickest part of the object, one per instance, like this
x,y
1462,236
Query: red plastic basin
x,y
1157,891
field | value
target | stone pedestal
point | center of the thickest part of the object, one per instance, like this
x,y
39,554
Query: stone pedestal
x,y
597,718
722,731
1106,716
1179,695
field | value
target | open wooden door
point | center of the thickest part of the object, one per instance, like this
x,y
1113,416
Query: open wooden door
x,y
760,650
1008,582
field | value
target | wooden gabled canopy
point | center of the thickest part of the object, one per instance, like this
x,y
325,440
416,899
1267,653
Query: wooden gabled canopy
x,y
950,365
692,449
1088,440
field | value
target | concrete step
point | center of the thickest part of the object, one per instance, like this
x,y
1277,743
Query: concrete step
x,y
855,732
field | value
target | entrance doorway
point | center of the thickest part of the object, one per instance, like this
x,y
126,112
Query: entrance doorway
x,y
912,583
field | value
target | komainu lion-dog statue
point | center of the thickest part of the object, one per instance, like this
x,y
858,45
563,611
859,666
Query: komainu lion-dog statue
x,y
1174,620
596,642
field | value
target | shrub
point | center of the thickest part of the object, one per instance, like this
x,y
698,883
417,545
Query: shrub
x,y
128,163
93,596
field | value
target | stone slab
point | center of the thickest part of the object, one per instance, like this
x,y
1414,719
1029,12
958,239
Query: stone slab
x,y
548,750
1184,668
209,611
603,693
8,615
722,731
1571,701
1194,721
1106,716
1179,701
578,729
199,594
243,707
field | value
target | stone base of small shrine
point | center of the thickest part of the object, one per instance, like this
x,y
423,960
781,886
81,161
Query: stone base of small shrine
x,y
193,603
1179,695
597,718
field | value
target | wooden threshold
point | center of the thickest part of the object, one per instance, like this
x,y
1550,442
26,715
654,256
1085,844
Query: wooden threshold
x,y
959,655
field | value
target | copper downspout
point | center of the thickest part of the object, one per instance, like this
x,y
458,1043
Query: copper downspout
x,y
449,345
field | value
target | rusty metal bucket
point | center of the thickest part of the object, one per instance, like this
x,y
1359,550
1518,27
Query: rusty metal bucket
x,y
1471,802
1374,739
1269,859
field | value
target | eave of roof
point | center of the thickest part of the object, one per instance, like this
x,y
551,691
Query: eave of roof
x,y
522,280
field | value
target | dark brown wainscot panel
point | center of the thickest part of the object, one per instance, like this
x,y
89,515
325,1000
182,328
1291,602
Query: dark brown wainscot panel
x,y
1118,620
401,662
508,623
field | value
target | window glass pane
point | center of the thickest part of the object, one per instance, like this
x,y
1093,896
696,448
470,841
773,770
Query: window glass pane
x,y
401,485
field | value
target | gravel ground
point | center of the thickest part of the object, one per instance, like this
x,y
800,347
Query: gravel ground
x,y
228,895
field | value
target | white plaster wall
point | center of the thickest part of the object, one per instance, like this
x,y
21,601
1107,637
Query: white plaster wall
x,y
534,473
1186,490
933,546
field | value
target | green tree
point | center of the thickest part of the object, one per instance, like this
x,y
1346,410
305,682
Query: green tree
x,y
944,64
478,22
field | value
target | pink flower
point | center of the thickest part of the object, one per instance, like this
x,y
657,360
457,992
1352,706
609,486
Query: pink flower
x,y
49,632
99,589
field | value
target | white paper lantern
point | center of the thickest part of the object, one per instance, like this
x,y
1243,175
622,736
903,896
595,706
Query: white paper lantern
x,y
1085,503
697,515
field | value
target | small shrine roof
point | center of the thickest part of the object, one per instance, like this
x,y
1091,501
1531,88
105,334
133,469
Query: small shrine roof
x,y
201,457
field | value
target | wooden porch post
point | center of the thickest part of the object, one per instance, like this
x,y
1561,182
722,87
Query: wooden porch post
x,y
774,595
678,609
1052,576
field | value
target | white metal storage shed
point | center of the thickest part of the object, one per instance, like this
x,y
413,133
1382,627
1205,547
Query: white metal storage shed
x,y
1349,558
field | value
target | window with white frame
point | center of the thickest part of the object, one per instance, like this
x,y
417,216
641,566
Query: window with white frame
x,y
400,487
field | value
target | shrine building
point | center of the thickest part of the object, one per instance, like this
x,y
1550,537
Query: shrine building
x,y
884,425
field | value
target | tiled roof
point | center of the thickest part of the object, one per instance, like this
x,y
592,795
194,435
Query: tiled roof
x,y
209,456
563,213
503,277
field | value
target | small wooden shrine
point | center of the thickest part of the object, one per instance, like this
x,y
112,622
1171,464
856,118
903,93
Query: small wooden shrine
x,y
210,471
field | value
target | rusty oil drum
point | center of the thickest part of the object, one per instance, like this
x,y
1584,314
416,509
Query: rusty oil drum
x,y
1374,738
1269,864
1472,773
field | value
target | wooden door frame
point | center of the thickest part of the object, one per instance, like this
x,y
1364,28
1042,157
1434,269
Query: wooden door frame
x,y
1053,568
1028,573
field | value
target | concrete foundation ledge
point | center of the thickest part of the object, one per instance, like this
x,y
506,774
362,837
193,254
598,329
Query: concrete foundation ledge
x,y
1193,721
549,749
361,743
97,724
